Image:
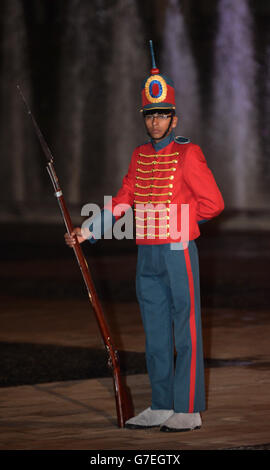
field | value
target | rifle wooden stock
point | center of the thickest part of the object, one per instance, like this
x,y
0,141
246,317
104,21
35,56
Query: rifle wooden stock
x,y
124,406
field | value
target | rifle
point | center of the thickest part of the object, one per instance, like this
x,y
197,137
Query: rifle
x,y
123,400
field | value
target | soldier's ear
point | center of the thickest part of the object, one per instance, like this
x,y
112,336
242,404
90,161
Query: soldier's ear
x,y
174,121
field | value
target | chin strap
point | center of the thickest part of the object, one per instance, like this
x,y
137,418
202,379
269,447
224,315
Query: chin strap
x,y
168,128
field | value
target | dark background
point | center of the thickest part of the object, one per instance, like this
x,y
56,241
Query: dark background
x,y
62,52
65,53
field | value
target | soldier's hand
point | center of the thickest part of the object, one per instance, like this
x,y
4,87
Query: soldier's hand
x,y
77,233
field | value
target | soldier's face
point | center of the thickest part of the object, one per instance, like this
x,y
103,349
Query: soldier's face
x,y
159,125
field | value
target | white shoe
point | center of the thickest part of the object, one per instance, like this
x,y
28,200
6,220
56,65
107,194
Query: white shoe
x,y
182,422
148,419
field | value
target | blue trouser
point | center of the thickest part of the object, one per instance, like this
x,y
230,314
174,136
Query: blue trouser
x,y
168,291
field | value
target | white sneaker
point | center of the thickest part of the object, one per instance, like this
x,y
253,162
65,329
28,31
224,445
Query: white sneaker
x,y
148,419
182,422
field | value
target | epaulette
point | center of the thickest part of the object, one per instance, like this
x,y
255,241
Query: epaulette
x,y
181,140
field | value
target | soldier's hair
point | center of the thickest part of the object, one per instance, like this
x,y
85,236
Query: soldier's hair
x,y
159,110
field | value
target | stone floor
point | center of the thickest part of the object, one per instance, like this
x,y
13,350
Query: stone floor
x,y
55,388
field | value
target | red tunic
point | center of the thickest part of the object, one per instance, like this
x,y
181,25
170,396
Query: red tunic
x,y
158,184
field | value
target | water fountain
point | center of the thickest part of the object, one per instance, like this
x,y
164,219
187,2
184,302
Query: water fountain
x,y
126,70
177,61
78,64
233,137
18,182
104,57
265,125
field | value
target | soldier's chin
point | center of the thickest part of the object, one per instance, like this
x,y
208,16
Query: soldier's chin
x,y
156,135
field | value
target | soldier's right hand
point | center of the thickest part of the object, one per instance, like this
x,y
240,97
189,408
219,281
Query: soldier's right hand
x,y
70,239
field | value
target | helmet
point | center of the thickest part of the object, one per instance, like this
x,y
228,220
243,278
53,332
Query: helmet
x,y
157,90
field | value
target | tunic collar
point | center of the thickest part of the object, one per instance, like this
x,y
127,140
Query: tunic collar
x,y
164,142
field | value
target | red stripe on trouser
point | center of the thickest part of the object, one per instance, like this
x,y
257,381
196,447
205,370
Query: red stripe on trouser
x,y
192,325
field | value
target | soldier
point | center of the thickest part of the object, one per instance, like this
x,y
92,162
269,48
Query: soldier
x,y
166,176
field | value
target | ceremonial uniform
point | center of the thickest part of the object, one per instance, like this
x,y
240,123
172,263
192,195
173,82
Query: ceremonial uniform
x,y
172,191
177,174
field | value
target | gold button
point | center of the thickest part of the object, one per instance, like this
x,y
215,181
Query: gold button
x,y
171,177
170,185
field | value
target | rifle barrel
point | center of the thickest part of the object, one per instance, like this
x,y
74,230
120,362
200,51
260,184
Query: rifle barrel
x,y
39,134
